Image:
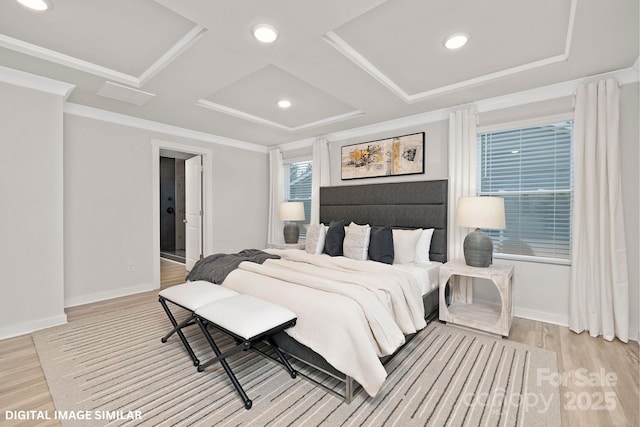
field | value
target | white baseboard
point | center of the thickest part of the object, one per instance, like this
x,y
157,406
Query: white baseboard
x,y
557,319
110,294
541,316
33,325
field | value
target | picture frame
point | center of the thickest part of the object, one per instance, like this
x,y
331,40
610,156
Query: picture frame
x,y
399,155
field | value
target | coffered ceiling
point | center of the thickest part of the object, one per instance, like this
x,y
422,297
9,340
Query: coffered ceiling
x,y
341,64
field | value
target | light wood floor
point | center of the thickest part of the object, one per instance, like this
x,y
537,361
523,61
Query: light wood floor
x,y
22,382
583,361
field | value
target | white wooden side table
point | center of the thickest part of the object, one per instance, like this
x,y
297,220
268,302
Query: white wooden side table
x,y
485,317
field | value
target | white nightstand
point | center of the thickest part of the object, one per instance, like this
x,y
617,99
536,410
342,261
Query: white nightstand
x,y
485,317
299,245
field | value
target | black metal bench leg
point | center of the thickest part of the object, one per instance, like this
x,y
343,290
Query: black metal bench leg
x,y
177,328
283,359
225,365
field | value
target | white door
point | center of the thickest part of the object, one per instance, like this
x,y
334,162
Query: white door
x,y
193,210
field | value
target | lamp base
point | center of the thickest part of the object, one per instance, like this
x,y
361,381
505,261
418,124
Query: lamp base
x,y
291,232
478,249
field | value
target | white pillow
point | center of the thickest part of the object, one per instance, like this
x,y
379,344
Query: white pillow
x,y
423,246
404,245
356,241
314,244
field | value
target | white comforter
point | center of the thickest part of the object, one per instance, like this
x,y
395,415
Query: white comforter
x,y
350,312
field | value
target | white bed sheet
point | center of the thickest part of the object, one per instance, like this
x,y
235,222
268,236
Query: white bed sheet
x,y
427,275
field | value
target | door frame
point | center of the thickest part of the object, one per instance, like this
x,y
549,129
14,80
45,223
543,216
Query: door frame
x,y
193,181
207,197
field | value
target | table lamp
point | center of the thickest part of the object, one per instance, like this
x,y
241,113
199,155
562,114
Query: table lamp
x,y
291,211
479,212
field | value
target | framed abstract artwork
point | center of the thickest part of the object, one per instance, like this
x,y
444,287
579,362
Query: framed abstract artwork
x,y
400,155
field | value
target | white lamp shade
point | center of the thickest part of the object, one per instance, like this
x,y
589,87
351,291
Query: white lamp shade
x,y
481,212
292,211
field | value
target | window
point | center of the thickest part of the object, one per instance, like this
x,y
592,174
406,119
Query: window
x,y
531,168
299,189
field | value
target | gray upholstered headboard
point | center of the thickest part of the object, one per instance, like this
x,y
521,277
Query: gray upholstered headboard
x,y
418,204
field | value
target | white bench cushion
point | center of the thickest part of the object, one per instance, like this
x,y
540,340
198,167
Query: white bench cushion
x,y
245,316
193,295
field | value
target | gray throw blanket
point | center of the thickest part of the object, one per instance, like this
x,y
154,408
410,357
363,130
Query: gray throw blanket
x,y
215,268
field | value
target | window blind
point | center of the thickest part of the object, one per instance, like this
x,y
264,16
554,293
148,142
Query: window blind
x,y
299,189
531,168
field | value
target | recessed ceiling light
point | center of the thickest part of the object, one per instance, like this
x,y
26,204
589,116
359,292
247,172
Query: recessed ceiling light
x,y
284,104
456,41
265,33
39,5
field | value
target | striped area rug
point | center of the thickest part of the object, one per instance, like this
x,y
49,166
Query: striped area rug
x,y
114,370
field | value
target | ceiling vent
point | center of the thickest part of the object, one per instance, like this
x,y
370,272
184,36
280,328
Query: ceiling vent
x,y
125,93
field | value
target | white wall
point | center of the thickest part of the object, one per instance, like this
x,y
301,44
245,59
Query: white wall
x,y
108,206
541,291
31,214
78,208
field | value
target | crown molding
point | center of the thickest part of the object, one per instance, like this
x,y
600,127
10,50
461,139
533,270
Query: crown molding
x,y
262,121
124,93
559,90
239,114
357,58
135,122
174,51
301,143
69,61
66,60
33,81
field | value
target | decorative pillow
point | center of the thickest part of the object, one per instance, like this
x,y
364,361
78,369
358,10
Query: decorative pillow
x,y
314,244
381,244
423,246
356,242
404,245
334,238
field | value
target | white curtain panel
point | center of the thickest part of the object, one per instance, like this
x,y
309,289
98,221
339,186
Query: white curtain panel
x,y
276,196
599,287
320,175
462,182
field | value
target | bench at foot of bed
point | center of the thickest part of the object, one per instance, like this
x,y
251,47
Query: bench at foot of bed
x,y
243,317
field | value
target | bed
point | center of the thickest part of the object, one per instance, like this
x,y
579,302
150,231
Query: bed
x,y
354,356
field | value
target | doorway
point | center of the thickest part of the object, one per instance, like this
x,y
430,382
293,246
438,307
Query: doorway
x,y
171,206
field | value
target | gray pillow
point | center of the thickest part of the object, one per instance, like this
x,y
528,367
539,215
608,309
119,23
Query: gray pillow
x,y
334,239
381,244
